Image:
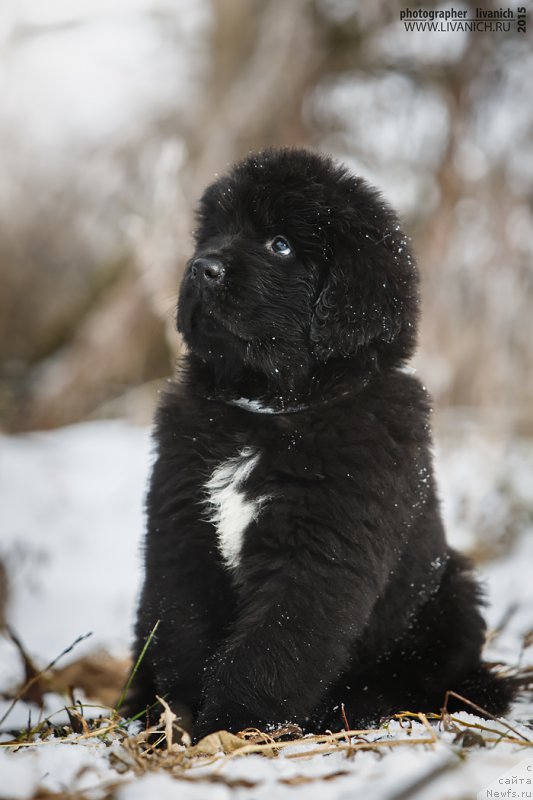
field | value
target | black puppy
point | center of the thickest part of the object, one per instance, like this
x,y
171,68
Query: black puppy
x,y
295,553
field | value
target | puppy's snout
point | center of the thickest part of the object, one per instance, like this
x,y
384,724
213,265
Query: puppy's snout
x,y
208,270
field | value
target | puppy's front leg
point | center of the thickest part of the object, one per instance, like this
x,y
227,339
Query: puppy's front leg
x,y
293,638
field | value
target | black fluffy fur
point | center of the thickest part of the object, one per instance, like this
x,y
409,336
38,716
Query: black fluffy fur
x,y
345,590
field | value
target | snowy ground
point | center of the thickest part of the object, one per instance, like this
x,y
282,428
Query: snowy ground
x,y
71,522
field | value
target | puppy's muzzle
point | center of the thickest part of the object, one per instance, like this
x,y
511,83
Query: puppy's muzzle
x,y
207,271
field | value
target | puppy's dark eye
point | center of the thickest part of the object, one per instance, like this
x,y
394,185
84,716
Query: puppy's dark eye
x,y
280,246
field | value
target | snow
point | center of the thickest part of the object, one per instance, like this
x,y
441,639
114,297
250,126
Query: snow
x,y
72,506
56,767
72,521
20,776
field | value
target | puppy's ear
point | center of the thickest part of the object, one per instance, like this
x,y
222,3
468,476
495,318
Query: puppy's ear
x,y
369,299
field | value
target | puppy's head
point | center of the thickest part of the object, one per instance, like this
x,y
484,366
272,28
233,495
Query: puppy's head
x,y
297,263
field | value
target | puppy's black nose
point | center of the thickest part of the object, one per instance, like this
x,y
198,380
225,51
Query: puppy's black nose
x,y
210,270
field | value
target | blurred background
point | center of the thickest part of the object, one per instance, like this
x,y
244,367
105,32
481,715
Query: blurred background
x,y
115,115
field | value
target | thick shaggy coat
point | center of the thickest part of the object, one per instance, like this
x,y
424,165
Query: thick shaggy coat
x,y
295,553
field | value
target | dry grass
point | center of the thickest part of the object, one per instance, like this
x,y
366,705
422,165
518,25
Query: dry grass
x,y
167,746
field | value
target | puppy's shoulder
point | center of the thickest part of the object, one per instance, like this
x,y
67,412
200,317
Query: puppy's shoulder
x,y
173,402
393,404
406,403
178,412
404,384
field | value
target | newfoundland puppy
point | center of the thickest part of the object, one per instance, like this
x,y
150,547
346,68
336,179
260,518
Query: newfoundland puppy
x,y
295,556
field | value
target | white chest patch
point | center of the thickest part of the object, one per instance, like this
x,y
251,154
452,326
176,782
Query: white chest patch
x,y
229,509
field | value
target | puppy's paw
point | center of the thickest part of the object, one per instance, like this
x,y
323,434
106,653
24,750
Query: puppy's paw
x,y
219,718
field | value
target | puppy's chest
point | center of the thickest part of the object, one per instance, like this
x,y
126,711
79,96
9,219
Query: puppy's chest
x,y
233,500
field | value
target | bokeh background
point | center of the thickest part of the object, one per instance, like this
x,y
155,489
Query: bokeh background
x,y
115,115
